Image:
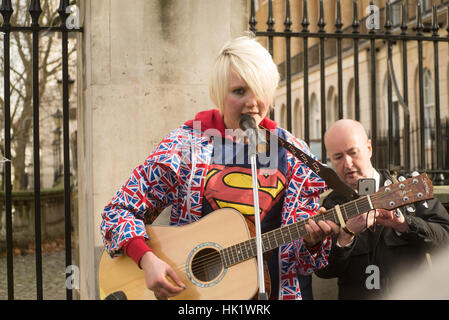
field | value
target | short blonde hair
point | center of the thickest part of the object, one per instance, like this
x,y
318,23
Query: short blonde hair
x,y
251,62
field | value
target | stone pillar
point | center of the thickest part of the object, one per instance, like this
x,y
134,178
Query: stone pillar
x,y
144,70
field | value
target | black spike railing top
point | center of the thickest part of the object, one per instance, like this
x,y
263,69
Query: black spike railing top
x,y
35,12
388,25
270,19
62,11
355,18
305,20
338,21
404,25
288,21
252,19
321,23
419,23
6,11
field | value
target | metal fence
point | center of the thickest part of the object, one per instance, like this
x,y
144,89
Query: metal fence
x,y
401,26
35,29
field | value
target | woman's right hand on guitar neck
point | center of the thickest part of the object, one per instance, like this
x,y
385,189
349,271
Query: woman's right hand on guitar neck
x,y
156,272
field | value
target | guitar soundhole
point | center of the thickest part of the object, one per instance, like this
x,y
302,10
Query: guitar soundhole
x,y
206,264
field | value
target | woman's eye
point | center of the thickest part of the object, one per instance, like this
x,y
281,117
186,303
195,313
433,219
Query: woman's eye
x,y
239,91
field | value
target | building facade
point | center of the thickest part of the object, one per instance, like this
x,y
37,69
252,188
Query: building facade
x,y
338,87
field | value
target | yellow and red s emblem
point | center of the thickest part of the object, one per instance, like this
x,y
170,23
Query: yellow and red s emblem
x,y
232,187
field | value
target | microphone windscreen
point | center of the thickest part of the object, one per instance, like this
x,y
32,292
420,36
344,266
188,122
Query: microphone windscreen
x,y
247,122
118,295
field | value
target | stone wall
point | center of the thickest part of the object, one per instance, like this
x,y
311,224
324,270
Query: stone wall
x,y
23,217
143,71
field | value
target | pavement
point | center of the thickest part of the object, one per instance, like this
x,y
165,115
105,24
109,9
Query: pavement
x,y
53,276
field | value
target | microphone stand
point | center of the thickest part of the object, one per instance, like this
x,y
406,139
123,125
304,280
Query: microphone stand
x,y
252,151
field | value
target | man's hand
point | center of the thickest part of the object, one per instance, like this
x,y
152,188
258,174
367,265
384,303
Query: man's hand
x,y
356,225
156,272
390,219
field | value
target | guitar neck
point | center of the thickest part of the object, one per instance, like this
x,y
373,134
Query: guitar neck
x,y
278,237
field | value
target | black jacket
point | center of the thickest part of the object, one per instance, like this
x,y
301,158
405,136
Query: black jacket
x,y
384,252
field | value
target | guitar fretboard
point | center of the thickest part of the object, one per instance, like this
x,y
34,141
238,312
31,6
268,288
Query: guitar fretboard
x,y
278,237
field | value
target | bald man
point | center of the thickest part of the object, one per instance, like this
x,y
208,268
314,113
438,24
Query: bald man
x,y
373,253
350,156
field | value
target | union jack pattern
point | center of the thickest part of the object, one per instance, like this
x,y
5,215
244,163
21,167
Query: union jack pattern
x,y
175,174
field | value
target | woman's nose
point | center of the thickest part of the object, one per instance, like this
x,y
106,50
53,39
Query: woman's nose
x,y
251,100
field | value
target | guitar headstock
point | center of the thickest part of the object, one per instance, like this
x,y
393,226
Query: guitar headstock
x,y
409,191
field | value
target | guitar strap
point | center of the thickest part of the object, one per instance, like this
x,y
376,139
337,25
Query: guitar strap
x,y
330,176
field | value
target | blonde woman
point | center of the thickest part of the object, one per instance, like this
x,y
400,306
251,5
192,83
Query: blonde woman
x,y
195,169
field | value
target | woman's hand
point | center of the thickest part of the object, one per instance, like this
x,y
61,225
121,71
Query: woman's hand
x,y
157,274
317,232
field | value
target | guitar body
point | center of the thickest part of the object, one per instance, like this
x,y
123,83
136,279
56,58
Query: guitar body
x,y
185,248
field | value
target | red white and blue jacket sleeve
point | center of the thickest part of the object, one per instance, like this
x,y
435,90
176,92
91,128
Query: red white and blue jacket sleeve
x,y
152,186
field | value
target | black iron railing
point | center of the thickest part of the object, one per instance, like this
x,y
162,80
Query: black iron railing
x,y
35,29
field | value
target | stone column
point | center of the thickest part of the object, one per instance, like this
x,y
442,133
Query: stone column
x,y
144,70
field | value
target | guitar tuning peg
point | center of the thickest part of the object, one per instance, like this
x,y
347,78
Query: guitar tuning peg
x,y
425,204
401,178
415,173
411,209
387,182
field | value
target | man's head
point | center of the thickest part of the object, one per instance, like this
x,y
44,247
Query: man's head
x,y
350,151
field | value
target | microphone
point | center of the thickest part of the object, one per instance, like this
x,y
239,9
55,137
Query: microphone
x,y
248,125
118,295
247,122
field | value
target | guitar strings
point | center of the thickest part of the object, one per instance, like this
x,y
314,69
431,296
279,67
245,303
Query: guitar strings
x,y
213,259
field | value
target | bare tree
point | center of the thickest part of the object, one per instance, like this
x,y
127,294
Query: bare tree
x,y
21,89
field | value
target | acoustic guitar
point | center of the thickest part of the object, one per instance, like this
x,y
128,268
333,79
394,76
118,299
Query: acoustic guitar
x,y
215,257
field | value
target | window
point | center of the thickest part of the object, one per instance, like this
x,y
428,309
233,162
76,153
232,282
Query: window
x,y
350,100
396,13
331,107
283,119
315,127
395,123
429,105
427,5
429,116
315,118
298,120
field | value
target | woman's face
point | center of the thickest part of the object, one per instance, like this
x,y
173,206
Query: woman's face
x,y
240,100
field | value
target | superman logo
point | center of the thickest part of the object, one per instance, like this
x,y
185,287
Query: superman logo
x,y
232,187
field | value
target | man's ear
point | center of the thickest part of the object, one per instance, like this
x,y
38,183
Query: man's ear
x,y
370,147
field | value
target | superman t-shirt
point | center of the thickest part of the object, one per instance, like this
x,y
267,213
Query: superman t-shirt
x,y
229,185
